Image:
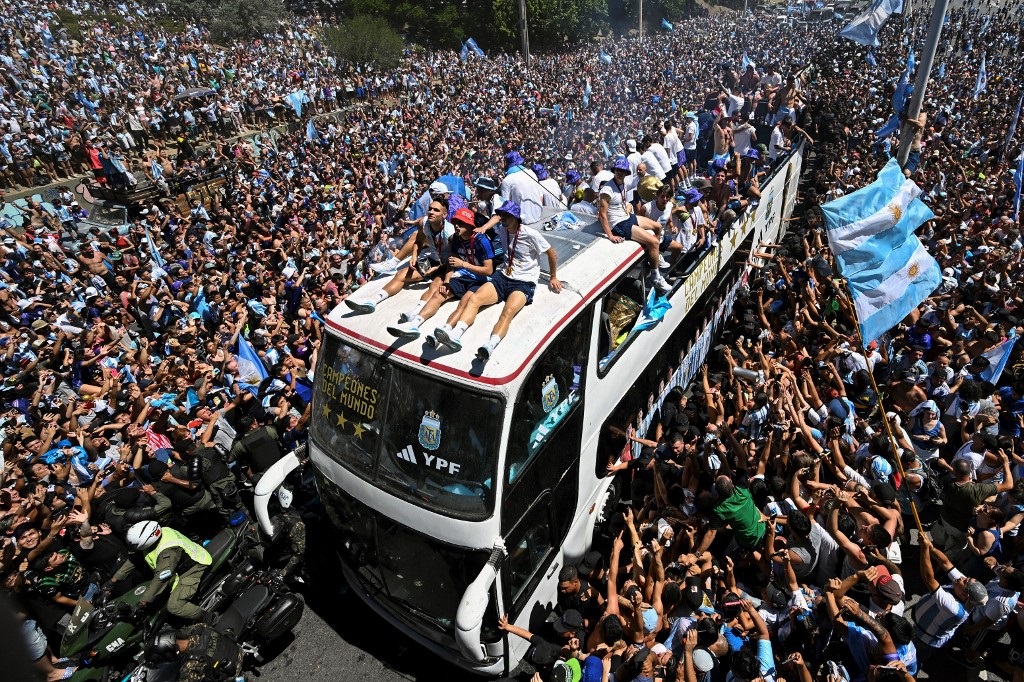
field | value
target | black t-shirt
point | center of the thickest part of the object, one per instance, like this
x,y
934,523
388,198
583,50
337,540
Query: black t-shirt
x,y
105,556
584,601
673,419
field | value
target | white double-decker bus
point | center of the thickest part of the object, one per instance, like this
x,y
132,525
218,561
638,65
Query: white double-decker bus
x,y
458,489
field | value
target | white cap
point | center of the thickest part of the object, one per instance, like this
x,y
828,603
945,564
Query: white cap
x,y
90,292
439,188
631,145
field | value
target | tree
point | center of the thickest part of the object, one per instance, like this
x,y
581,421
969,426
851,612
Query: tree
x,y
552,23
365,40
246,19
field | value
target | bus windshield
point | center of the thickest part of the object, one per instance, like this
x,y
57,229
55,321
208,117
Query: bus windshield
x,y
432,443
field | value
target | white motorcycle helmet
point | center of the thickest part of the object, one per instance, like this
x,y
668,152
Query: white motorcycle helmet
x,y
143,535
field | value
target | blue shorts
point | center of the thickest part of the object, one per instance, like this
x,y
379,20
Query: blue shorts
x,y
624,229
460,286
681,158
506,286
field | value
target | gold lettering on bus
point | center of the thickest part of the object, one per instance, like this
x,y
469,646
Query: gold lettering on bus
x,y
349,391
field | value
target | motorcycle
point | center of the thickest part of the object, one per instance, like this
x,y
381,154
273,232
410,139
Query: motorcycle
x,y
264,611
107,634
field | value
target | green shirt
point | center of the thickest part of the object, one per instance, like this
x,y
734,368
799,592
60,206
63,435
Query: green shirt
x,y
959,501
739,511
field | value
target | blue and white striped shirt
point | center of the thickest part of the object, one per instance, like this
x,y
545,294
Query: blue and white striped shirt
x,y
938,615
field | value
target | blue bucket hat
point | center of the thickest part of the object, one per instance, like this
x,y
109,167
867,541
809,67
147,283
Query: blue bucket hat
x,y
572,176
693,195
510,208
513,158
620,164
539,171
752,154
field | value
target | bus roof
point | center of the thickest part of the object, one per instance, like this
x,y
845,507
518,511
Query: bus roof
x,y
587,264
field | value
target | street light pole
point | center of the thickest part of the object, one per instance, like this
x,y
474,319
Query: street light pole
x,y
641,20
924,70
524,32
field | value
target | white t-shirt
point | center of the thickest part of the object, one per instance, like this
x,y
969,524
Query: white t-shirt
x,y
553,195
663,157
690,137
600,178
524,250
742,135
976,459
673,144
777,145
617,199
659,215
1000,605
654,166
634,159
523,188
773,80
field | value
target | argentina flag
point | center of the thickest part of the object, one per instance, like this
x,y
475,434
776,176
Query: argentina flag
x,y
865,26
871,233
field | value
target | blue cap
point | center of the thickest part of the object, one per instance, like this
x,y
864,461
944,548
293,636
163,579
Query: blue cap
x,y
513,158
539,171
510,208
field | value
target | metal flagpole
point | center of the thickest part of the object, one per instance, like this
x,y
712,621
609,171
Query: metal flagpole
x,y
885,418
524,32
924,70
641,21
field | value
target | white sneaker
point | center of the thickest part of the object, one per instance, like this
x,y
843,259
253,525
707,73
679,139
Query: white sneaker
x,y
662,263
361,306
407,330
387,267
444,335
483,353
661,284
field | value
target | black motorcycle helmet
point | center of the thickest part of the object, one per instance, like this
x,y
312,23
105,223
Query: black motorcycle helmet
x,y
162,646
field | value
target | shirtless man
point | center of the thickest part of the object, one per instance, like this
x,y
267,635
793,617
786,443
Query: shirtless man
x,y
93,261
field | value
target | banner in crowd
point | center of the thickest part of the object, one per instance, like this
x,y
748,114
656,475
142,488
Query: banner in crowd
x,y
865,26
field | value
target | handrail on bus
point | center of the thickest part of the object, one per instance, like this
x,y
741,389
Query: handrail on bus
x,y
470,616
270,482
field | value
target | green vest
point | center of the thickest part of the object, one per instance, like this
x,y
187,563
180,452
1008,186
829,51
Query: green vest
x,y
171,538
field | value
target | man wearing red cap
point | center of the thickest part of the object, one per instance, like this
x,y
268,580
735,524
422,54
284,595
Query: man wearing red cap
x,y
470,265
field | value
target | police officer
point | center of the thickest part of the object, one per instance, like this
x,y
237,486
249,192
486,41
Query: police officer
x,y
284,550
176,562
256,448
206,466
204,653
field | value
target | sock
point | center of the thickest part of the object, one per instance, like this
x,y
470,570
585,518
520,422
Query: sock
x,y
417,308
460,329
494,341
380,296
415,320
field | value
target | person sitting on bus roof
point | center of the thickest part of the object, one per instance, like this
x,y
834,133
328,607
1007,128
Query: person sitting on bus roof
x,y
430,251
514,285
619,222
437,191
470,265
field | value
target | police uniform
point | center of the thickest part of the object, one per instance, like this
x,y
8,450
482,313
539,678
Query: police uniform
x,y
176,561
209,655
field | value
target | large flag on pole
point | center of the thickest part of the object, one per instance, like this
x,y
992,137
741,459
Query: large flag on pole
x,y
604,57
865,26
665,24
474,48
871,233
982,82
1018,179
1012,129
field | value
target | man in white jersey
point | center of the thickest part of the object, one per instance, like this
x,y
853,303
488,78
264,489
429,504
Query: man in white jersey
x,y
619,222
987,623
522,187
514,284
552,192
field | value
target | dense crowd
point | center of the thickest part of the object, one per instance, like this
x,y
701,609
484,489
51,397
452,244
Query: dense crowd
x,y
156,373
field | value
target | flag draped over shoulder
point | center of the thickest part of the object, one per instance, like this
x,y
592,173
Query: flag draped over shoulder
x,y
604,57
864,27
871,233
